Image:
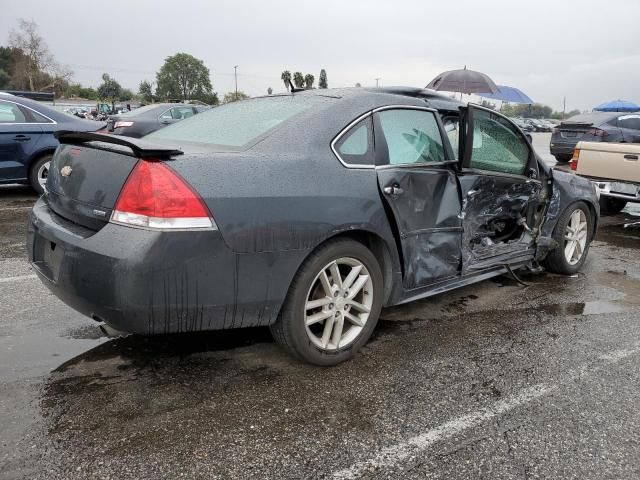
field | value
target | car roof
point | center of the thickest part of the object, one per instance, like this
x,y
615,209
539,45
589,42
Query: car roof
x,y
592,117
430,97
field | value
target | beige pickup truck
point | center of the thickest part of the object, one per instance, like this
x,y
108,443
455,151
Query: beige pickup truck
x,y
614,168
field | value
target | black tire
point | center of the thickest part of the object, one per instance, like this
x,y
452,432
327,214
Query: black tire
x,y
556,261
563,158
33,172
290,331
611,206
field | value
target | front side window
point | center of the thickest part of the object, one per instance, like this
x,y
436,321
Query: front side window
x,y
412,136
498,146
10,113
356,146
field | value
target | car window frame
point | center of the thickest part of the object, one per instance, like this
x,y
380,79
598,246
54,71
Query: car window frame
x,y
449,160
368,118
344,131
622,118
465,158
26,111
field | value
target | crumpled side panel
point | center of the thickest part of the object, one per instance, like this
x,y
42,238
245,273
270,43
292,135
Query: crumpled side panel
x,y
487,202
432,255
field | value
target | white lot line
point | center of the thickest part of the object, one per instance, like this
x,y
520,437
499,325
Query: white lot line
x,y
18,278
395,454
6,209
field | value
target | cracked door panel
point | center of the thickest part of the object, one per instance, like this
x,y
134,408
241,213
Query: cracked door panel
x,y
501,193
421,191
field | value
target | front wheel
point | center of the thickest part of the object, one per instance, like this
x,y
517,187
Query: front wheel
x,y
333,304
573,233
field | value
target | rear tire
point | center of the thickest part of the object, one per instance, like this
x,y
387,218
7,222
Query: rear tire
x,y
563,158
39,173
570,231
611,206
321,312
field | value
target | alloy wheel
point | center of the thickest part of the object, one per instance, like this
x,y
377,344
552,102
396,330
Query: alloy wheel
x,y
338,304
43,173
575,237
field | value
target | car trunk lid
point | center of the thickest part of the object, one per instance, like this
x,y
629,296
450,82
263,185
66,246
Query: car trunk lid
x,y
89,170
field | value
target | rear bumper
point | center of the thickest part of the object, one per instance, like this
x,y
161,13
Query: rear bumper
x,y
562,148
629,192
149,282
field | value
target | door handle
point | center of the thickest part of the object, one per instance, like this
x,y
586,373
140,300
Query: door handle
x,y
393,190
21,138
631,157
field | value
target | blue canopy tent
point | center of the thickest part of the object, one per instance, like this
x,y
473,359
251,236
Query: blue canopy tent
x,y
508,94
618,106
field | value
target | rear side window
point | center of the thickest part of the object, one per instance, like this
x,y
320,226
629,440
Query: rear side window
x,y
356,146
237,123
498,146
412,136
629,121
10,113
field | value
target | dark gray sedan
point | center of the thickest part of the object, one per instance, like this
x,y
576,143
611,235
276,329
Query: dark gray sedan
x,y
594,127
305,212
144,120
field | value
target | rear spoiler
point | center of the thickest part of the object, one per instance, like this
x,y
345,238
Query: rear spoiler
x,y
140,148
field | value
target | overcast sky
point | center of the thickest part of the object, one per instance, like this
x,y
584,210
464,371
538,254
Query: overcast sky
x,y
588,50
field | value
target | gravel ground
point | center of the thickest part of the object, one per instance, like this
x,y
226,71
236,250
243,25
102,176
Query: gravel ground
x,y
493,381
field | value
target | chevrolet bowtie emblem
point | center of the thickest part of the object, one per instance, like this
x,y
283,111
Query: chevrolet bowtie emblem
x,y
66,171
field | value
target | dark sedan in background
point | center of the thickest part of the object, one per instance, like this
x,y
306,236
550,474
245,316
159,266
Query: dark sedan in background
x,y
240,217
27,142
594,127
144,120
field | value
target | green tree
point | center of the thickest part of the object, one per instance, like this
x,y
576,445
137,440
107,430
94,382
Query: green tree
x,y
6,55
322,82
109,90
233,97
298,79
536,110
183,77
308,80
286,78
126,95
145,91
79,91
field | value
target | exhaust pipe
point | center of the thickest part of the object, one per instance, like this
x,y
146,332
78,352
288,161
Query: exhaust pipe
x,y
112,332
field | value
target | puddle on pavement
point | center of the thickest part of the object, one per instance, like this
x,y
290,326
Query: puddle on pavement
x,y
583,308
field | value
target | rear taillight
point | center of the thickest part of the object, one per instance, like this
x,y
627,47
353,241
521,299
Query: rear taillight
x,y
156,197
122,124
574,159
598,132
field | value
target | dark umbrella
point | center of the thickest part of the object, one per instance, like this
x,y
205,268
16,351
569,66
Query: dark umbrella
x,y
464,81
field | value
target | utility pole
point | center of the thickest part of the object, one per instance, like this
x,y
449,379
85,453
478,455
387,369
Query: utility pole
x,y
235,74
564,106
377,79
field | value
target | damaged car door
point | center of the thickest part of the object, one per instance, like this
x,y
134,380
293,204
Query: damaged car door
x,y
500,189
416,175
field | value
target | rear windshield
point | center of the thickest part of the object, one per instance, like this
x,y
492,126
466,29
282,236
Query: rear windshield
x,y
238,123
594,118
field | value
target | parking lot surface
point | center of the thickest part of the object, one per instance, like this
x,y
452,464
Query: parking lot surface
x,y
496,380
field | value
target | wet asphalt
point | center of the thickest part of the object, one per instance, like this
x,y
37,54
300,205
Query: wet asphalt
x,y
496,380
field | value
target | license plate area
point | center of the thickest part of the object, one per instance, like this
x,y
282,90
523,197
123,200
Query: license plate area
x,y
47,257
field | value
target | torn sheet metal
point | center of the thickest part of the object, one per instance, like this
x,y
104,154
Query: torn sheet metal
x,y
495,210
